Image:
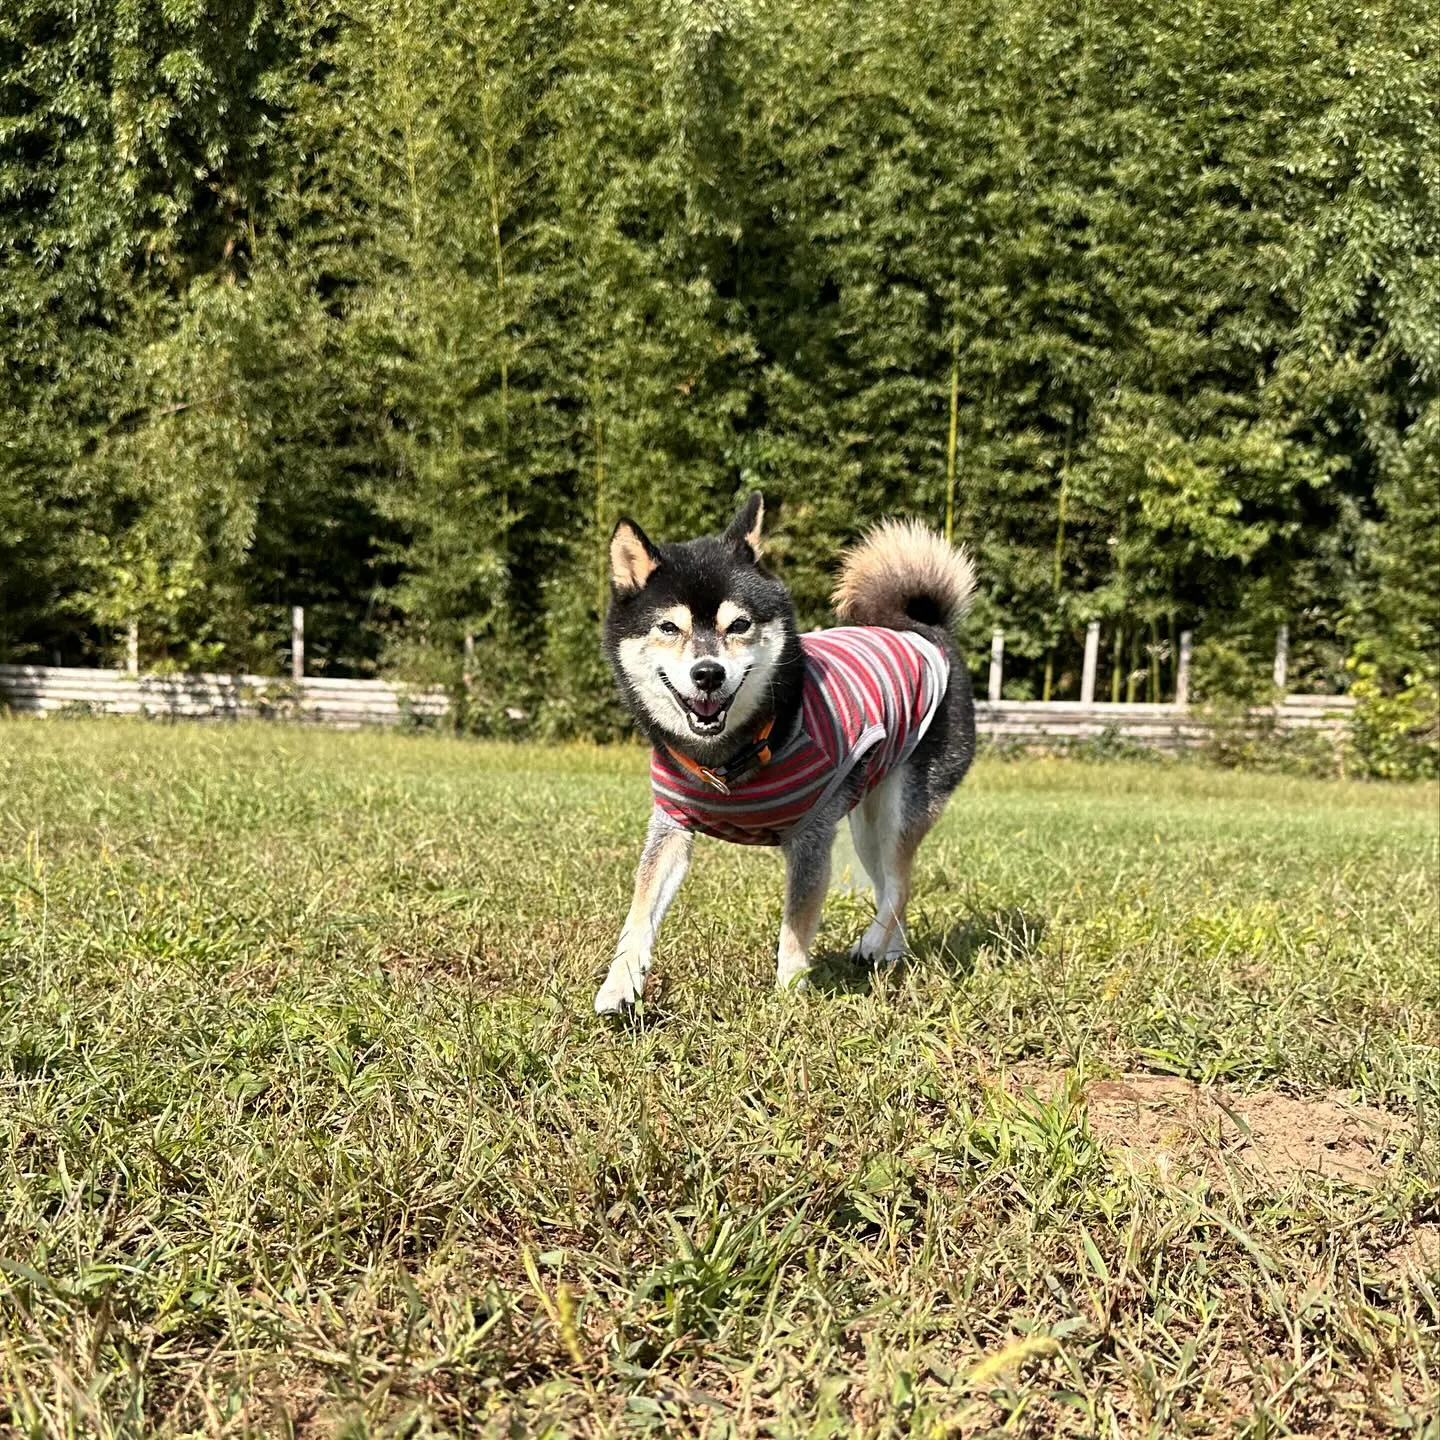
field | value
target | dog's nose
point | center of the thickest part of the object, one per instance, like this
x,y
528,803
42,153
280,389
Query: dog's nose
x,y
708,675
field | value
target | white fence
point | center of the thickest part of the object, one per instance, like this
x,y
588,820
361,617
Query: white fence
x,y
1158,727
350,704
343,704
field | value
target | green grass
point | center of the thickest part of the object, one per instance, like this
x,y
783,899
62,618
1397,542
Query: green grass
x,y
306,1125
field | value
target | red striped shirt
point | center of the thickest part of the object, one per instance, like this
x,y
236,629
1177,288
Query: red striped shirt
x,y
869,697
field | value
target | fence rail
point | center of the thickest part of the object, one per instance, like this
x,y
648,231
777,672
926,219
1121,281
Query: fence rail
x,y
342,704
1156,726
351,704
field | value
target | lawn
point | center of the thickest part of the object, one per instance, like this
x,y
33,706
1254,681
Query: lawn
x,y
306,1125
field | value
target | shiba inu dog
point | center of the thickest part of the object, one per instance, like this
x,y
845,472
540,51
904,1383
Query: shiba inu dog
x,y
764,736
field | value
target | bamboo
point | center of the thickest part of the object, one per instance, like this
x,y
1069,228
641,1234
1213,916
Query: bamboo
x,y
1117,665
603,594
1059,545
952,444
494,190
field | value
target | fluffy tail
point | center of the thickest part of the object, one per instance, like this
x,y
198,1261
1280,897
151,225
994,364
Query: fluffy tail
x,y
903,576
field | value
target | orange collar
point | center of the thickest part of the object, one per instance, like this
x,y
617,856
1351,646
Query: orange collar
x,y
724,778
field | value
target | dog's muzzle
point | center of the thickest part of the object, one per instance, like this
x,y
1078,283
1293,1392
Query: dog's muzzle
x,y
705,714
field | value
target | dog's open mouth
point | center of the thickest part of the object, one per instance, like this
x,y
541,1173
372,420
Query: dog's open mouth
x,y
705,714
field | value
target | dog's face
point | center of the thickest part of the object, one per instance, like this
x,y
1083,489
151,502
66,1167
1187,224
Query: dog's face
x,y
696,631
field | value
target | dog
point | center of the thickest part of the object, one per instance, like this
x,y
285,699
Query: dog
x,y
761,735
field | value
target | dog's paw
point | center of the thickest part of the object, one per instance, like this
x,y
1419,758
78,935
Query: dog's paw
x,y
871,946
876,947
613,999
619,992
793,977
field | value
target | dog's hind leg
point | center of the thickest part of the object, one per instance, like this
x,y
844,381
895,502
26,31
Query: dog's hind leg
x,y
807,873
663,863
864,831
886,845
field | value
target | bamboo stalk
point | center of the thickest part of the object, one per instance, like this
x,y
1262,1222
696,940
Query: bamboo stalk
x,y
1059,544
1117,665
952,444
494,190
603,594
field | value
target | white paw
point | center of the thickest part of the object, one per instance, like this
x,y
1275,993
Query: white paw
x,y
877,947
619,992
793,975
871,946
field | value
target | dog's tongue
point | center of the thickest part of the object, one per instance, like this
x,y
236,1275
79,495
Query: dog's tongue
x,y
707,707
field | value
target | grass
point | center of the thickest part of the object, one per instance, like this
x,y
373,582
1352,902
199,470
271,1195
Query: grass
x,y
306,1126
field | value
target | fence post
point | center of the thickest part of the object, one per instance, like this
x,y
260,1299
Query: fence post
x,y
467,668
1092,663
132,648
297,643
1282,657
997,662
1182,669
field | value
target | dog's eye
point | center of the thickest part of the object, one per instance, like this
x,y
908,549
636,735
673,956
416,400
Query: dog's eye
x,y
668,627
738,627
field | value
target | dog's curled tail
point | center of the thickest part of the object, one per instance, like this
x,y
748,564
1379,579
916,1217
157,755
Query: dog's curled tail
x,y
903,576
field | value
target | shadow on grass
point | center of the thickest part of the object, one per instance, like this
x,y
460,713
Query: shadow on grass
x,y
1013,934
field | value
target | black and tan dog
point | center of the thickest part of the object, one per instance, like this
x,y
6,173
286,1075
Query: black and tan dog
x,y
765,736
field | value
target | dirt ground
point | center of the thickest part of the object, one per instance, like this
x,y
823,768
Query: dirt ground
x,y
1162,1125
1159,1123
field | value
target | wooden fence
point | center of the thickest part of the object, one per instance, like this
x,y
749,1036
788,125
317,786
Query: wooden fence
x,y
342,704
350,704
1157,727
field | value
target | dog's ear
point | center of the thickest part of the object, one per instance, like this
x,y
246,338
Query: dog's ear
x,y
743,536
633,559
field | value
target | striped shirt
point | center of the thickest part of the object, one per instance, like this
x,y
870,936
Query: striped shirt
x,y
868,698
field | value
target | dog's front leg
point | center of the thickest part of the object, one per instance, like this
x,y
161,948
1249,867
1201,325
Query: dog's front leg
x,y
807,875
663,863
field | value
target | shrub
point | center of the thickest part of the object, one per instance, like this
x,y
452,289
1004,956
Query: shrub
x,y
1395,735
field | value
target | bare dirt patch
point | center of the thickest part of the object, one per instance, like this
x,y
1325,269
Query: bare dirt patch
x,y
1417,1254
1161,1123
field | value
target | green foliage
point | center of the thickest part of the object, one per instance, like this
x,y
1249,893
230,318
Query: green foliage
x,y
1395,662
388,307
1241,739
1396,736
1228,673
